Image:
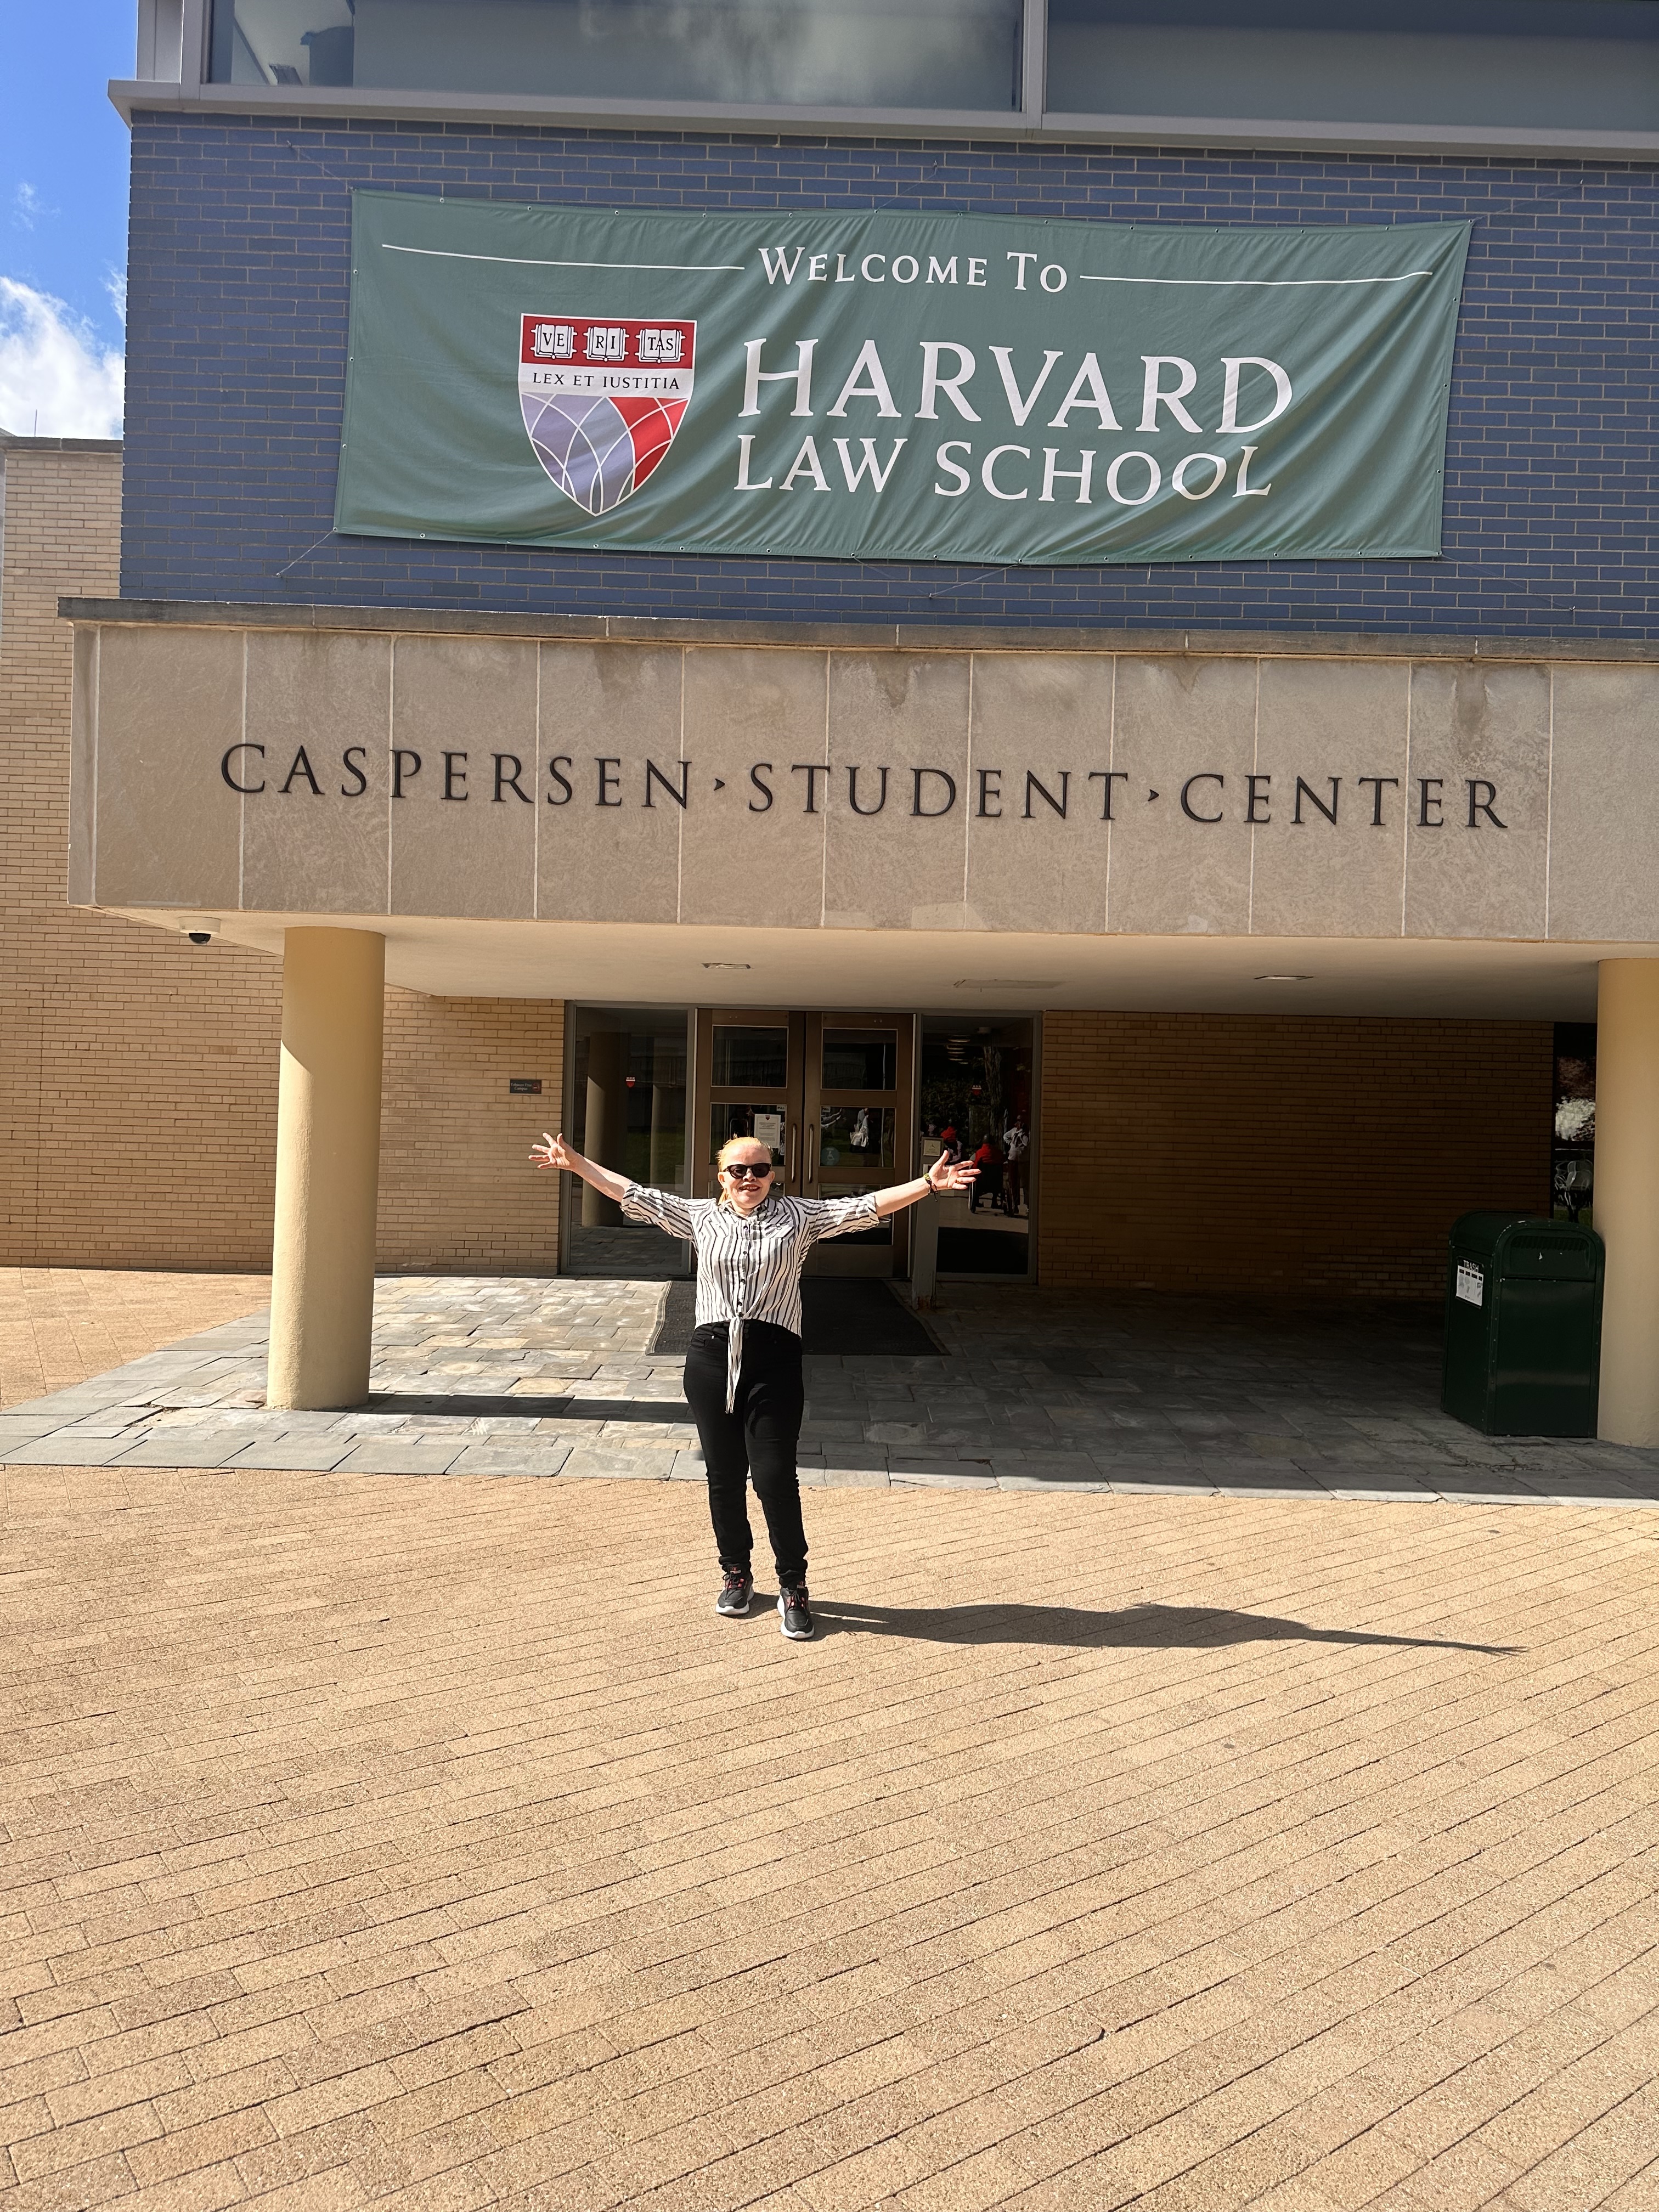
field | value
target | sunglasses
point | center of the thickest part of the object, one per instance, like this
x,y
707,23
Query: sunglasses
x,y
743,1169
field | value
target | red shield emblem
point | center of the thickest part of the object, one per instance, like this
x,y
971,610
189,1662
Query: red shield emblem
x,y
602,398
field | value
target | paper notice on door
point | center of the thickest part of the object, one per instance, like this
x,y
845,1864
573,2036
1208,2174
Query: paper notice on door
x,y
768,1130
1471,1283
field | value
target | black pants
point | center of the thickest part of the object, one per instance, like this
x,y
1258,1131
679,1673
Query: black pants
x,y
757,1440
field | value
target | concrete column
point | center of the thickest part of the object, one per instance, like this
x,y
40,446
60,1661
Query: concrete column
x,y
1627,1197
328,1165
605,1138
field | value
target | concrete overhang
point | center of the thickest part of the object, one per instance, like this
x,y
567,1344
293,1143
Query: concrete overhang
x,y
960,636
757,814
975,972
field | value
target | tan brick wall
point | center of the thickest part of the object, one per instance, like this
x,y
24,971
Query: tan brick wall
x,y
458,1192
138,1071
1215,1152
136,1095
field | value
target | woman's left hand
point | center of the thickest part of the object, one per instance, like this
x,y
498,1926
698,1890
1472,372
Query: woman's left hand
x,y
943,1176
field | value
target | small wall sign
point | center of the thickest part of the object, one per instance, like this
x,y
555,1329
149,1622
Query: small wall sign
x,y
524,1086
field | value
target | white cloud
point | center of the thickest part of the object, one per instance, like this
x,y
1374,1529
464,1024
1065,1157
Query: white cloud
x,y
115,284
53,366
27,203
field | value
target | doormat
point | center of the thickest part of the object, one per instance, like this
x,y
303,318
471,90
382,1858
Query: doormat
x,y
844,1317
679,1317
854,1317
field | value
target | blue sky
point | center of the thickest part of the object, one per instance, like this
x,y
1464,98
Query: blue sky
x,y
62,204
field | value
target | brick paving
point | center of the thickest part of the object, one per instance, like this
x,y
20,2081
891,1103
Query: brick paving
x,y
61,1326
372,1840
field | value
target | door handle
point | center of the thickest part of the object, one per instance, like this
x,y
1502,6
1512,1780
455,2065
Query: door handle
x,y
789,1164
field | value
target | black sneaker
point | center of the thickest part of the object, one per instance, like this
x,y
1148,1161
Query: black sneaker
x,y
794,1614
735,1593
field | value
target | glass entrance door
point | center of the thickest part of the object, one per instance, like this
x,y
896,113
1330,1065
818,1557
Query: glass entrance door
x,y
627,1110
978,1100
751,1077
859,1131
831,1095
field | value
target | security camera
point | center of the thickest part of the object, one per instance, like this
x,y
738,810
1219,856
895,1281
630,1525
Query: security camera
x,y
201,928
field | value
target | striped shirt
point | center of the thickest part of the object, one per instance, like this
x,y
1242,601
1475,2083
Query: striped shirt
x,y
749,1265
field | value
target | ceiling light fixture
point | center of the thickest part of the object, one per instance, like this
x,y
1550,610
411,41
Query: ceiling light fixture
x,y
1007,983
1284,979
729,967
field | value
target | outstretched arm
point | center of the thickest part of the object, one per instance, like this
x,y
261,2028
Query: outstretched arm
x,y
554,1152
944,1174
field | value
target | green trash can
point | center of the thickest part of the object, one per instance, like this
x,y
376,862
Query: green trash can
x,y
1523,1325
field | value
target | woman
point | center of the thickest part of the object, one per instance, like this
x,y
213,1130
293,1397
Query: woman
x,y
742,1375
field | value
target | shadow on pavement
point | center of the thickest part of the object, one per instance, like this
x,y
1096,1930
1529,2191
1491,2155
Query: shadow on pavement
x,y
507,1406
1136,1627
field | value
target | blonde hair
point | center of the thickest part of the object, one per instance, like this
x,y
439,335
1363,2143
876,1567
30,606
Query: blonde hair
x,y
723,1158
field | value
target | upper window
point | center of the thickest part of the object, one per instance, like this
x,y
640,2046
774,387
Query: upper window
x,y
1544,65
940,54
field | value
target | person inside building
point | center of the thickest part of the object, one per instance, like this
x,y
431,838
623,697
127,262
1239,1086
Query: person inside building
x,y
1015,1143
987,1165
742,1371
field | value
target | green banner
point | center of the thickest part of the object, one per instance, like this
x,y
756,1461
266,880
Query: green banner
x,y
882,386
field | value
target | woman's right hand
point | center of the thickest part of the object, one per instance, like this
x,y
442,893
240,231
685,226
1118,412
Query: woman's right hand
x,y
554,1152
951,1175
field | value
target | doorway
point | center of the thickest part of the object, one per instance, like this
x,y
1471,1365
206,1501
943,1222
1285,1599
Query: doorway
x,y
978,1089
831,1094
626,1109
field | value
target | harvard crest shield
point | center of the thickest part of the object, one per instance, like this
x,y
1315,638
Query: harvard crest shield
x,y
602,399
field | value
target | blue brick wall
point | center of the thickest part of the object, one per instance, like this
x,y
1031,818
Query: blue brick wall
x,y
236,351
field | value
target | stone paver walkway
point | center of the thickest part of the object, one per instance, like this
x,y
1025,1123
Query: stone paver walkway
x,y
1030,1390
432,1846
